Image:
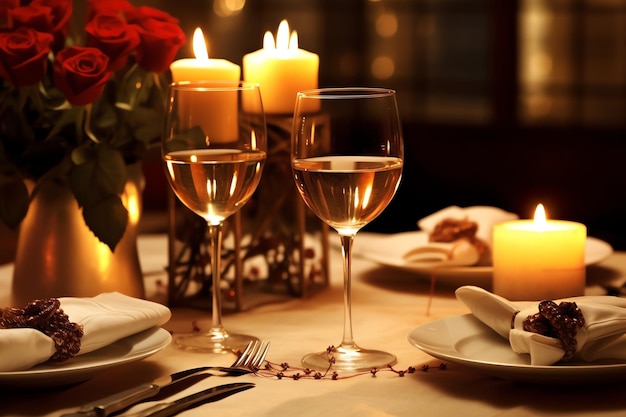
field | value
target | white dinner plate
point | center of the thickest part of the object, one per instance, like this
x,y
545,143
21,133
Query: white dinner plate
x,y
83,367
389,251
466,341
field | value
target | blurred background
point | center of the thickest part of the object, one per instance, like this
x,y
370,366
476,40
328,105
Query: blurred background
x,y
507,103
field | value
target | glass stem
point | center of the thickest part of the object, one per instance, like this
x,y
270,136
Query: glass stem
x,y
215,237
346,252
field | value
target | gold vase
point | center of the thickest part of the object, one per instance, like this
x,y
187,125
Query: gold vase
x,y
57,255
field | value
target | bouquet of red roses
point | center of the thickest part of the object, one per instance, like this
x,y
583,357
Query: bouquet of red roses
x,y
80,106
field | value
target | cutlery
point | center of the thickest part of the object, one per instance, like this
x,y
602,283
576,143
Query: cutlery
x,y
118,401
249,361
167,409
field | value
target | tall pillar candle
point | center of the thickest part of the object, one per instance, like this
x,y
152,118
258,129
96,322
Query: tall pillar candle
x,y
219,122
539,259
281,69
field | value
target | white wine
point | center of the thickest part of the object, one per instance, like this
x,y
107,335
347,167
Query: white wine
x,y
347,192
214,183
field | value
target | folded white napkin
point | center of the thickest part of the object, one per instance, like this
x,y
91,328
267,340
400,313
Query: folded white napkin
x,y
460,252
603,335
105,318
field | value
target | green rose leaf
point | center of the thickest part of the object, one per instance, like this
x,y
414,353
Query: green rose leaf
x,y
97,179
182,141
98,172
13,201
107,219
144,127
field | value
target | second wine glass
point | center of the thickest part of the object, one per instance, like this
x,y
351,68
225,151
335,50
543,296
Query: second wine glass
x,y
347,157
214,149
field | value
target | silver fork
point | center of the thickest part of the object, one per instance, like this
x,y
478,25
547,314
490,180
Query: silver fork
x,y
248,362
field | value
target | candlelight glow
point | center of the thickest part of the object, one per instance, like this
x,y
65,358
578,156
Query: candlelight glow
x,y
268,41
540,217
284,40
225,8
293,40
199,45
282,37
281,69
233,185
130,199
539,259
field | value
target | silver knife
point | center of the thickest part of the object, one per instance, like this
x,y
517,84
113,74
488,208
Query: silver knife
x,y
208,395
105,406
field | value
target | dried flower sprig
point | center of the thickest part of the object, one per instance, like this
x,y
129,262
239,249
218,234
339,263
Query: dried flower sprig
x,y
286,371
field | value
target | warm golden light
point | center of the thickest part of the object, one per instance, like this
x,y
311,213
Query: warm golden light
x,y
540,216
199,45
284,39
383,67
387,24
104,259
170,170
210,188
131,201
268,41
225,8
367,195
253,144
293,40
312,135
233,185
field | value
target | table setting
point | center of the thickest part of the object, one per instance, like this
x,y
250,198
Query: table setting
x,y
461,266
391,306
478,311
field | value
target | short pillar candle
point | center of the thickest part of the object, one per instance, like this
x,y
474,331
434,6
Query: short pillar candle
x,y
539,259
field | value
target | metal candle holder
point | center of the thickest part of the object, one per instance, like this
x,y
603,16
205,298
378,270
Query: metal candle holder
x,y
273,249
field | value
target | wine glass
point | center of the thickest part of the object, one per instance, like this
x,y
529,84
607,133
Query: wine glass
x,y
347,157
214,149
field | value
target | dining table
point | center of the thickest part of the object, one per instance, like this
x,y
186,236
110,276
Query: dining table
x,y
388,304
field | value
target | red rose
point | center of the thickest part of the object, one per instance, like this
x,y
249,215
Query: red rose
x,y
81,73
9,4
113,36
61,13
33,16
160,42
97,7
23,56
143,13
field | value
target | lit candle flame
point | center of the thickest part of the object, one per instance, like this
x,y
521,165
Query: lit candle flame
x,y
284,41
268,41
293,41
540,216
199,45
282,36
253,144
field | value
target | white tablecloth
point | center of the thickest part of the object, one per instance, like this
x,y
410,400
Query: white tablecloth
x,y
387,305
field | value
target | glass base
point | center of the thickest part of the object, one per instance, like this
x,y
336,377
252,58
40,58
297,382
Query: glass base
x,y
351,358
209,343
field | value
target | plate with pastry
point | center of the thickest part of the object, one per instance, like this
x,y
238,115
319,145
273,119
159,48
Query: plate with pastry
x,y
453,245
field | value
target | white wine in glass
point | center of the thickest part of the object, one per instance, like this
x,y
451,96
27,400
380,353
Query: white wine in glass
x,y
347,157
214,149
